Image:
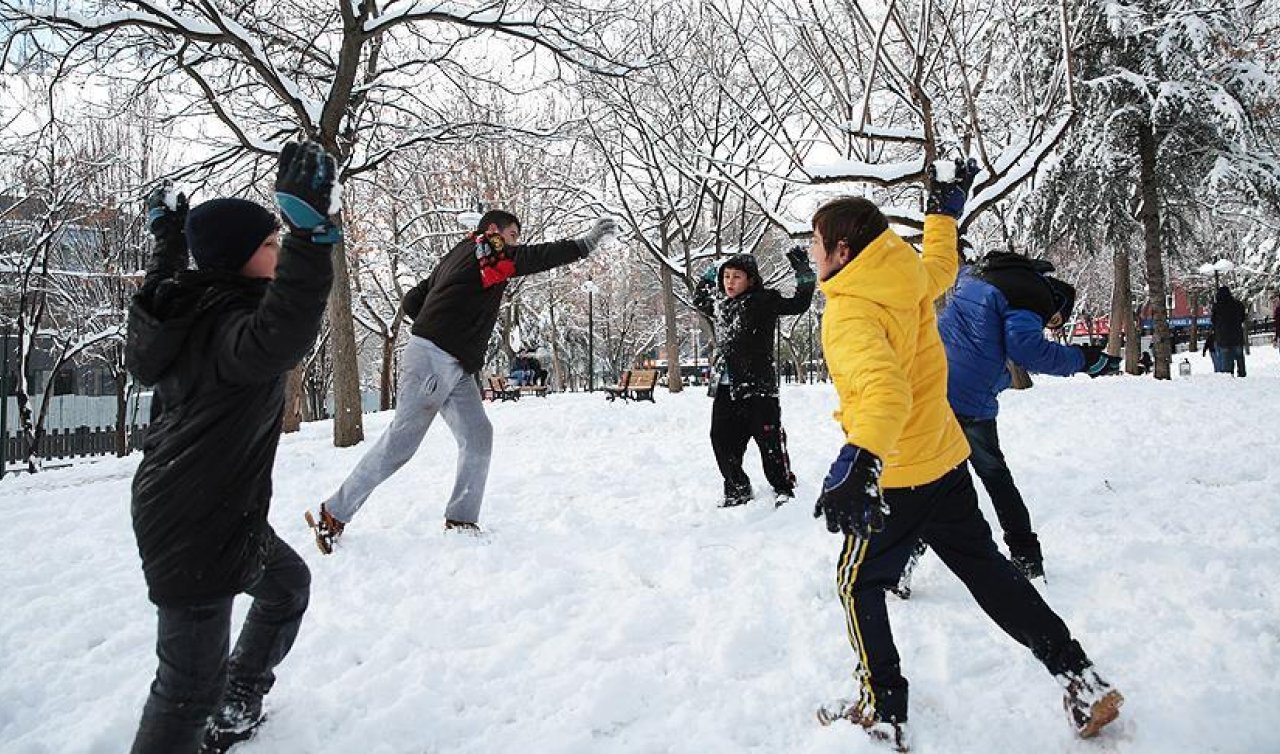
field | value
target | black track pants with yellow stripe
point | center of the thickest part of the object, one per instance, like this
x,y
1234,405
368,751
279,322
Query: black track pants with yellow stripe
x,y
945,515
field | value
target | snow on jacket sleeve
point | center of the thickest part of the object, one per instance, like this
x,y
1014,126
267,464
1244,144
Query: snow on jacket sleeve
x,y
1028,348
941,260
876,401
274,337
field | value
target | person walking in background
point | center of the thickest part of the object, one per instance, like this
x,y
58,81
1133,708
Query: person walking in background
x,y
453,312
1228,317
218,343
746,386
900,476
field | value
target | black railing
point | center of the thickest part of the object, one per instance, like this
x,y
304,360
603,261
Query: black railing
x,y
72,443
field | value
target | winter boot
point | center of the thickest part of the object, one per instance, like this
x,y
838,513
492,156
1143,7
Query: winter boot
x,y
1090,702
903,588
858,712
464,527
1032,568
782,497
735,495
327,529
237,719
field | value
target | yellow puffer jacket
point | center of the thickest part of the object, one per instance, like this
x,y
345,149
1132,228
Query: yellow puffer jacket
x,y
880,337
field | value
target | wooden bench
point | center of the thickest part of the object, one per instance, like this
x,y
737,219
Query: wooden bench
x,y
497,389
619,390
633,385
536,390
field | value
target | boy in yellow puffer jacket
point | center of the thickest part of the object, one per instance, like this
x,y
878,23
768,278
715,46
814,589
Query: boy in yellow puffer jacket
x,y
901,477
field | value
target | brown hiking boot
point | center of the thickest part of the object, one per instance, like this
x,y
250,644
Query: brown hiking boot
x,y
1090,702
858,712
327,529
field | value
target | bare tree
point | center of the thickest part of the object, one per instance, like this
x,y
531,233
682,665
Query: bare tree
x,y
366,80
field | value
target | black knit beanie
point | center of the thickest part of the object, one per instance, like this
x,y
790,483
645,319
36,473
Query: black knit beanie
x,y
224,233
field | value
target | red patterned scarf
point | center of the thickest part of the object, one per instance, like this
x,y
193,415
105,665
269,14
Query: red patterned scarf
x,y
496,263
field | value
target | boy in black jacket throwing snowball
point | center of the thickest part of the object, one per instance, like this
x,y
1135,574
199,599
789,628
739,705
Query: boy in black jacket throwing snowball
x,y
217,343
745,384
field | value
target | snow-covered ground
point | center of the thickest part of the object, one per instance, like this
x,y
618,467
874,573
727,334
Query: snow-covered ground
x,y
614,608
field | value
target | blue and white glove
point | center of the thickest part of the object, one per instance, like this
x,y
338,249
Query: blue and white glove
x,y
851,498
305,192
949,186
166,211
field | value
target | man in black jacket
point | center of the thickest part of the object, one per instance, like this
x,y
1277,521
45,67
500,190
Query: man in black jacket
x,y
746,385
217,343
453,311
1228,332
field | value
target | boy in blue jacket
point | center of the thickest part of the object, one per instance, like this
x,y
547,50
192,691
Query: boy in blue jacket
x,y
998,313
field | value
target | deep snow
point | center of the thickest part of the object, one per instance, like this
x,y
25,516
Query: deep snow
x,y
614,608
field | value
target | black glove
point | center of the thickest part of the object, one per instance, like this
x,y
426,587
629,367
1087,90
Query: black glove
x,y
602,227
1098,362
798,258
166,211
851,498
305,191
947,197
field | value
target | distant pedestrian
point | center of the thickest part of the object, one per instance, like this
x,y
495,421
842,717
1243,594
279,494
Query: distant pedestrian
x,y
1228,332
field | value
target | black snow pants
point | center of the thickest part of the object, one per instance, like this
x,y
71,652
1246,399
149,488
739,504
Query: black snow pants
x,y
733,424
945,515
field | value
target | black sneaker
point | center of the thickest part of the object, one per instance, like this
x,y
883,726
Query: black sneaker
x,y
1091,702
234,722
782,497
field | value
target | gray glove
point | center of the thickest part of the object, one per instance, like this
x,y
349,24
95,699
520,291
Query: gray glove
x,y
602,227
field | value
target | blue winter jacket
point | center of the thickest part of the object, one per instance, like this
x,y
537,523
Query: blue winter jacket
x,y
980,331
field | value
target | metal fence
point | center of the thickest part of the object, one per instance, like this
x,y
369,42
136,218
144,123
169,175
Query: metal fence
x,y
73,443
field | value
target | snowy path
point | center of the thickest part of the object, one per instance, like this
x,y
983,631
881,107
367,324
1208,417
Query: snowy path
x,y
613,608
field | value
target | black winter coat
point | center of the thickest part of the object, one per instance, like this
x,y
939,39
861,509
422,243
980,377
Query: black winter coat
x,y
454,308
217,347
1228,318
745,327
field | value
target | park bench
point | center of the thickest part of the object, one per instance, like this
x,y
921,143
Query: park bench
x,y
633,385
535,390
497,389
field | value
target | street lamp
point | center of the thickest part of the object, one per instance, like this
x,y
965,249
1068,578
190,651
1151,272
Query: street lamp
x,y
590,288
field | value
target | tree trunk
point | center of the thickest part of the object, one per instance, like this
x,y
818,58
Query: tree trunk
x,y
348,418
675,383
294,394
122,413
1150,214
1121,335
1193,344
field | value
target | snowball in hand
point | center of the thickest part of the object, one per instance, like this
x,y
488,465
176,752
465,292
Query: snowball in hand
x,y
335,198
944,171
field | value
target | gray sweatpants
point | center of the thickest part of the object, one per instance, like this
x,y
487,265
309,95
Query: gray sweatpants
x,y
431,382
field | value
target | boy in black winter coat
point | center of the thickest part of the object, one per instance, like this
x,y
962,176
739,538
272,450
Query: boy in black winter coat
x,y
217,343
745,384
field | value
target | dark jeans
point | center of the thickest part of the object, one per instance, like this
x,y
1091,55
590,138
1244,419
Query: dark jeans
x,y
988,463
733,424
945,515
1230,359
191,644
